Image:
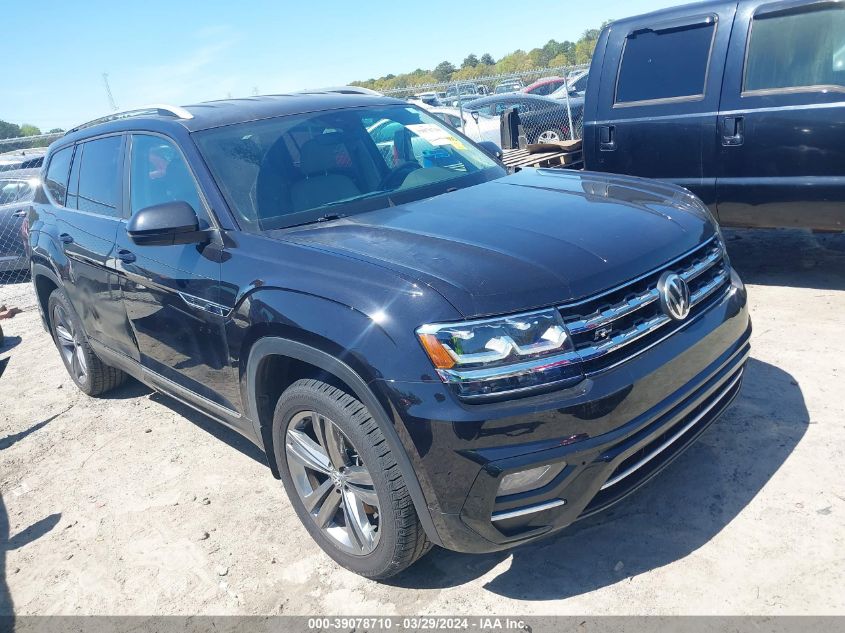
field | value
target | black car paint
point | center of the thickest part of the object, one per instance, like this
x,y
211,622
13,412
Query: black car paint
x,y
789,167
202,322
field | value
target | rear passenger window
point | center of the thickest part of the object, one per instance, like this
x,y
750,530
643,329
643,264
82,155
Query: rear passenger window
x,y
56,179
665,63
796,48
99,176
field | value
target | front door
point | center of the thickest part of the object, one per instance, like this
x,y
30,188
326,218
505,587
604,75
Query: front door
x,y
659,96
782,138
171,292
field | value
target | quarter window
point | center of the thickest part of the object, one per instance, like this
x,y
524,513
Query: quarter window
x,y
665,63
796,49
159,175
99,176
57,173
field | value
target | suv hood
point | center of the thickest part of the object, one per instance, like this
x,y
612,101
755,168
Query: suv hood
x,y
534,239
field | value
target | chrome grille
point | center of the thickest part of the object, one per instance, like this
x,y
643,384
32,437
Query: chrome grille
x,y
618,324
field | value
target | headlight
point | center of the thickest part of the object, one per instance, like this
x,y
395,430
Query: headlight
x,y
489,356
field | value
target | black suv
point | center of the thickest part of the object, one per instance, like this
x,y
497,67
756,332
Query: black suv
x,y
428,350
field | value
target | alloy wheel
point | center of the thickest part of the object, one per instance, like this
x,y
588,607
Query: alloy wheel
x,y
333,483
549,136
70,344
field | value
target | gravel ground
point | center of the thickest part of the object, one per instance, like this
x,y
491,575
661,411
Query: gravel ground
x,y
137,505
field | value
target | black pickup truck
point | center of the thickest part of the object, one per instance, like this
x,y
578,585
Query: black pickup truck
x,y
742,102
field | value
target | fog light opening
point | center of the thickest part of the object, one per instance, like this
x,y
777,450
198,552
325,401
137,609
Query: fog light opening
x,y
530,479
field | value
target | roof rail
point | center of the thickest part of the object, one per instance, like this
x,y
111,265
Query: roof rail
x,y
347,90
157,108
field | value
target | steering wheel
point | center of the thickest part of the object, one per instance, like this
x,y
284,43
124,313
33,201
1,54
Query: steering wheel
x,y
396,176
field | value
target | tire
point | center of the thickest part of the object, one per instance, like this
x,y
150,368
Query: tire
x,y
88,372
375,531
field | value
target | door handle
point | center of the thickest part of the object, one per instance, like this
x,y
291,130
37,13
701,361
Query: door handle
x,y
20,213
66,238
733,131
127,257
607,138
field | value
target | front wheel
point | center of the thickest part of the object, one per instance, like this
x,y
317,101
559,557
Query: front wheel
x,y
344,482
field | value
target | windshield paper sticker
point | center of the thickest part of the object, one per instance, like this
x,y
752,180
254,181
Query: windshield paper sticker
x,y
435,135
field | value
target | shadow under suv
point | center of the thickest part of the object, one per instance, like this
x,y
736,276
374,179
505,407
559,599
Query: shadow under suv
x,y
428,350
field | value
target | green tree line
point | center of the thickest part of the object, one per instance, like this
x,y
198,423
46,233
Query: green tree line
x,y
553,54
13,130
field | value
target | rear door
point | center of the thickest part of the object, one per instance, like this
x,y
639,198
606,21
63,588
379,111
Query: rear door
x,y
87,220
658,97
782,138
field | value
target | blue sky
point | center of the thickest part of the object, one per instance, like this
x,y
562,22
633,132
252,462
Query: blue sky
x,y
182,52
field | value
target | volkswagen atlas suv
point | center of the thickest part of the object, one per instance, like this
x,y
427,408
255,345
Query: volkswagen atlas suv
x,y
427,349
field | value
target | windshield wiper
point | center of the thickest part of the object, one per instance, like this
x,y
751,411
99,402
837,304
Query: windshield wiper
x,y
354,199
329,216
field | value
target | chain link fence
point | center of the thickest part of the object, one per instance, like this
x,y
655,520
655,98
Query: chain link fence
x,y
550,102
20,166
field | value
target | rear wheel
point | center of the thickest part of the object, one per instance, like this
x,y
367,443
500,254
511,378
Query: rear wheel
x,y
344,482
88,372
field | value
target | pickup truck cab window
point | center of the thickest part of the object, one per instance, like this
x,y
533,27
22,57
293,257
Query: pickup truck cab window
x,y
801,48
665,62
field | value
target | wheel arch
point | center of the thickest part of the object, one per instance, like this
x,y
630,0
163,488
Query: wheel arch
x,y
264,350
45,282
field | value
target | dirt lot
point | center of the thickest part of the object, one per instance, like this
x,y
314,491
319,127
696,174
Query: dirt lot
x,y
137,505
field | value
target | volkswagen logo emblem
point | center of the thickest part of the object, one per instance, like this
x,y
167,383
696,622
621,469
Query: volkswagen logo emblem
x,y
674,296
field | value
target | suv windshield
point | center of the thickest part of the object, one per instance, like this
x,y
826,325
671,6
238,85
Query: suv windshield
x,y
293,170
462,89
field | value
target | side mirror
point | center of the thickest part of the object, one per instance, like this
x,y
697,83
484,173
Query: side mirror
x,y
165,224
492,149
474,115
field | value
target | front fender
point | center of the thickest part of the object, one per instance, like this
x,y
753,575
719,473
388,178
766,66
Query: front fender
x,y
276,346
378,343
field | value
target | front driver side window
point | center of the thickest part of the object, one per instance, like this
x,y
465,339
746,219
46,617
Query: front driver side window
x,y
159,174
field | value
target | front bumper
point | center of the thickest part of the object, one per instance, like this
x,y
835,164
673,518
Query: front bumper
x,y
614,431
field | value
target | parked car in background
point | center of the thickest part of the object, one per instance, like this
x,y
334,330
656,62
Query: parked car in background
x,y
389,136
544,119
17,189
544,86
484,127
427,349
22,159
511,85
576,83
461,93
425,99
740,102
